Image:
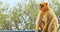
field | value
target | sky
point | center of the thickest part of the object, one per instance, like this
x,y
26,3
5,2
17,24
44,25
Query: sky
x,y
12,2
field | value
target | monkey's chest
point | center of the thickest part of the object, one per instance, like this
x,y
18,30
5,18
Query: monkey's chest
x,y
42,21
45,19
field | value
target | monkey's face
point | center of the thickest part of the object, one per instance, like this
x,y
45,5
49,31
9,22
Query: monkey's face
x,y
43,6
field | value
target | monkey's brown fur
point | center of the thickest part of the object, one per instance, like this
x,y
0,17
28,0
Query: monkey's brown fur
x,y
47,20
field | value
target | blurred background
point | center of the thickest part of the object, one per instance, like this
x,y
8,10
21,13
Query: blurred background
x,y
22,14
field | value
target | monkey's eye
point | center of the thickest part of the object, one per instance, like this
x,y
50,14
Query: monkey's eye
x,y
41,5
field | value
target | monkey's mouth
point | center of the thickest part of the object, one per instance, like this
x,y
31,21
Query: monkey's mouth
x,y
41,6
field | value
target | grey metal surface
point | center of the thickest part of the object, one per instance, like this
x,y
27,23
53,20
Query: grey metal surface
x,y
18,31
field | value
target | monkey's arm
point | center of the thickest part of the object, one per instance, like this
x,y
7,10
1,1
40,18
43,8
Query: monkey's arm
x,y
45,27
39,23
37,27
47,22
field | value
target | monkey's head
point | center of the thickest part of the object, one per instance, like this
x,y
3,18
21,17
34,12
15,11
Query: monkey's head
x,y
43,6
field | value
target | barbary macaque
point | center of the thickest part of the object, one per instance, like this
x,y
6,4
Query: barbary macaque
x,y
47,20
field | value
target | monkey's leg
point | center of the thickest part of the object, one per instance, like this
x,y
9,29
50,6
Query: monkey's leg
x,y
53,26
